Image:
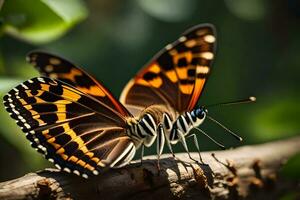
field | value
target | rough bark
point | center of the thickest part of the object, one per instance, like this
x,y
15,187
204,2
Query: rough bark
x,y
244,173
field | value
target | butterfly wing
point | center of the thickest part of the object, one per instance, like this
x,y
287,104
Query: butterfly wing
x,y
53,66
71,128
176,75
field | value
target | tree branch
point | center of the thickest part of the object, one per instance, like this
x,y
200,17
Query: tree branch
x,y
246,172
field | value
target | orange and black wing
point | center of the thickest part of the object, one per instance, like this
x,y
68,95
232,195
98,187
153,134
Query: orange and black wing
x,y
55,67
176,75
72,129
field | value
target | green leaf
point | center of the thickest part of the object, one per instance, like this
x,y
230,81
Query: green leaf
x,y
41,21
291,168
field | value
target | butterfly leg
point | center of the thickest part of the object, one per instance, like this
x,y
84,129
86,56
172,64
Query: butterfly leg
x,y
142,153
197,146
160,142
183,141
169,144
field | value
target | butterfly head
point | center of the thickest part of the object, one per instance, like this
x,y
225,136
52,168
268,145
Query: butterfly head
x,y
201,112
198,115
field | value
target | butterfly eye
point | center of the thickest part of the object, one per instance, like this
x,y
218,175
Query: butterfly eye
x,y
200,113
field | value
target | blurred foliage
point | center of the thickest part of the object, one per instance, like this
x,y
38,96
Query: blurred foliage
x,y
291,196
291,171
291,168
169,10
258,54
40,21
248,10
276,117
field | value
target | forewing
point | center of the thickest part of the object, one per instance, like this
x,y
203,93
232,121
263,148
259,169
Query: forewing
x,y
53,66
176,75
70,128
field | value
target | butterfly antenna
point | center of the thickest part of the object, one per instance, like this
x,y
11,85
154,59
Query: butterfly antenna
x,y
250,99
225,128
213,140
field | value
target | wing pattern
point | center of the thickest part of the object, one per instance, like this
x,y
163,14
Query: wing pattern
x,y
55,67
69,127
176,75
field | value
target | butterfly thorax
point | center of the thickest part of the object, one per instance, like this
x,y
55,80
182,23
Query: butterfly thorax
x,y
158,111
143,129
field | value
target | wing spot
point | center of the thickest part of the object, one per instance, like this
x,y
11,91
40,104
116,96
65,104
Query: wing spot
x,y
156,82
202,69
207,55
190,43
42,148
172,76
24,86
186,89
101,164
54,61
154,68
53,82
173,52
57,166
41,80
67,170
182,73
49,68
209,38
85,176
93,90
95,172
201,32
182,39
71,75
73,159
81,162
27,125
76,172
32,57
169,46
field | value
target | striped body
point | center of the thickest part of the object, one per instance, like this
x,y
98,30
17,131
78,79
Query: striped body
x,y
182,125
164,128
143,131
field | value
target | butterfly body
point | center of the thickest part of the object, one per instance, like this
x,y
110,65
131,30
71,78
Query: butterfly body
x,y
75,122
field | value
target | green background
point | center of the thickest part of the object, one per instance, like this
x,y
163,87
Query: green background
x,y
258,54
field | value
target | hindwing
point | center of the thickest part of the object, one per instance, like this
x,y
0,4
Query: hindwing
x,y
55,67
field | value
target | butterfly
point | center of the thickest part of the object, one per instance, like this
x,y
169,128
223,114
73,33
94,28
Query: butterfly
x,y
77,124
